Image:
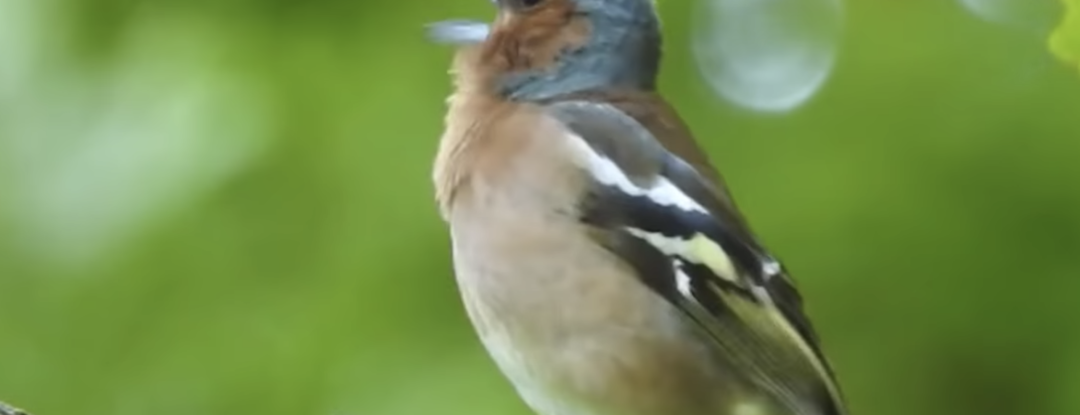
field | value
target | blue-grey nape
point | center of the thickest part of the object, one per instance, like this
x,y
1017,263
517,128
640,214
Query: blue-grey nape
x,y
458,32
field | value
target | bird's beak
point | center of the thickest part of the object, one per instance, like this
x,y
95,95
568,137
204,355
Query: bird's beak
x,y
458,32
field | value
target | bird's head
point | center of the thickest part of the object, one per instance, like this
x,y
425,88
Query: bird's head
x,y
537,49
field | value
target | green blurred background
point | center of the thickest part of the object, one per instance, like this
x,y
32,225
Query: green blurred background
x,y
224,207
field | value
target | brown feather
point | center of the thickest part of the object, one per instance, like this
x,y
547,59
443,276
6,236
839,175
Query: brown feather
x,y
533,39
493,145
519,41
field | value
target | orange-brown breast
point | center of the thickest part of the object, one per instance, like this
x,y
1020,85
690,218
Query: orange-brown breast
x,y
491,145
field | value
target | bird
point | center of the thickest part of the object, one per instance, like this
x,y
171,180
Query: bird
x,y
598,253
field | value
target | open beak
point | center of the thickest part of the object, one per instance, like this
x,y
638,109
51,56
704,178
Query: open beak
x,y
458,32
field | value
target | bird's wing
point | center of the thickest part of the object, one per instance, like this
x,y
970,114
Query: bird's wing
x,y
657,213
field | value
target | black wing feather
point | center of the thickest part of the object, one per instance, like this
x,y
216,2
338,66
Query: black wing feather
x,y
767,335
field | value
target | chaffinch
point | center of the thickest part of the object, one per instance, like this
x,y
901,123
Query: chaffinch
x,y
599,255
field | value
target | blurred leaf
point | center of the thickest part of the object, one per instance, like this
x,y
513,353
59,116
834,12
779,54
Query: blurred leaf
x,y
1065,41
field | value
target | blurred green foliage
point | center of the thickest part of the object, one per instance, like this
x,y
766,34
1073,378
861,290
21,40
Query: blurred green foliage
x,y
224,208
1065,41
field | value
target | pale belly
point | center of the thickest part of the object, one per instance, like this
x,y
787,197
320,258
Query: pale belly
x,y
576,334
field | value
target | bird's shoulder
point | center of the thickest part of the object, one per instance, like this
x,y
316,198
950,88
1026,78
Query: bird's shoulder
x,y
656,115
657,118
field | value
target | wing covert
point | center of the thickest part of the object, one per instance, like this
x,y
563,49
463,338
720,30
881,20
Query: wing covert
x,y
662,218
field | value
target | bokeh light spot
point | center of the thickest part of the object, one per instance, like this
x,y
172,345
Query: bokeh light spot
x,y
767,55
92,160
1036,16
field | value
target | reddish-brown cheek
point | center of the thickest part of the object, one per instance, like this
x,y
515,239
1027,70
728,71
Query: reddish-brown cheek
x,y
552,40
535,40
